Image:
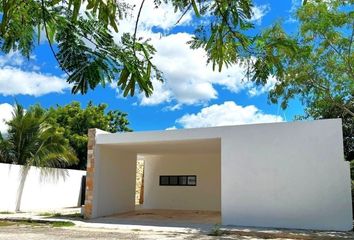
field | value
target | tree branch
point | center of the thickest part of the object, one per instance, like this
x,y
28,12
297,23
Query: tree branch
x,y
350,48
50,43
136,24
184,13
342,106
351,72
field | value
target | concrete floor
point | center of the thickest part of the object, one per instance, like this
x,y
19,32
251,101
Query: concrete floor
x,y
168,218
191,216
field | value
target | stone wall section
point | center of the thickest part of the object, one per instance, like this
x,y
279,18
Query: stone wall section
x,y
90,171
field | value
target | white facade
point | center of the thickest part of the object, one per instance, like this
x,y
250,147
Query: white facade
x,y
41,191
287,175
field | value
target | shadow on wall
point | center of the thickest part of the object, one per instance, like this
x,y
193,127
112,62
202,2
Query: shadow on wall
x,y
51,175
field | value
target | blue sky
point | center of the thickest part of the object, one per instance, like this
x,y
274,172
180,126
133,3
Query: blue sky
x,y
192,94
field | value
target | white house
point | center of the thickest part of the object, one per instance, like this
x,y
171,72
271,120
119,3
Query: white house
x,y
286,175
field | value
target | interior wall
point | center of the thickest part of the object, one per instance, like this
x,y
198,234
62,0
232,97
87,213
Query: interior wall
x,y
114,181
204,196
286,175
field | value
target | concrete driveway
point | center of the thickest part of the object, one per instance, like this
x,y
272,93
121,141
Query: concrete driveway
x,y
145,225
26,232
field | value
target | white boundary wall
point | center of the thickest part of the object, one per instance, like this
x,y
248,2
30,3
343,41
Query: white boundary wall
x,y
58,189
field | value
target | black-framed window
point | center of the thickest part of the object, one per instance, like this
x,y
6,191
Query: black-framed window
x,y
178,180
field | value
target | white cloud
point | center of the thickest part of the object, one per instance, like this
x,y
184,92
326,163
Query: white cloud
x,y
228,113
256,91
188,79
5,115
159,95
171,128
258,12
17,81
163,17
12,59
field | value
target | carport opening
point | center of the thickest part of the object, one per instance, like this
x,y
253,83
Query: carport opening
x,y
178,180
165,181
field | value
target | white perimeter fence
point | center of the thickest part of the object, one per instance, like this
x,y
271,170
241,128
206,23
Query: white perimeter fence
x,y
36,189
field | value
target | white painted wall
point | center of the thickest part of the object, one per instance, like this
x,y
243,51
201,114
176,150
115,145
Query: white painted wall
x,y
41,191
205,196
286,175
289,175
114,179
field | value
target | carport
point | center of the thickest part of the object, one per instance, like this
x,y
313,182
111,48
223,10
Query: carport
x,y
182,180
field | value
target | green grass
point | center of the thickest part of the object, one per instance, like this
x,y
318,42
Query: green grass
x,y
216,231
60,215
62,224
6,212
6,223
46,214
73,215
36,223
50,214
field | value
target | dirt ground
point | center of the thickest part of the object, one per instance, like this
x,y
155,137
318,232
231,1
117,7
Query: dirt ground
x,y
44,232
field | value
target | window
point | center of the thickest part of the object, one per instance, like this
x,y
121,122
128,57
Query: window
x,y
178,180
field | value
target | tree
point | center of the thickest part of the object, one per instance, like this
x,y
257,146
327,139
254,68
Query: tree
x,y
73,122
31,141
88,54
5,157
320,72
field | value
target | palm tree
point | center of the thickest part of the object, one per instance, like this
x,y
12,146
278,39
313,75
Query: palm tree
x,y
32,141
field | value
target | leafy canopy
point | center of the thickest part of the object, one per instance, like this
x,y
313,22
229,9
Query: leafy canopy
x,y
86,51
321,72
56,137
73,122
32,141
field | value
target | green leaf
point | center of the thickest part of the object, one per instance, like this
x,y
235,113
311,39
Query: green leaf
x,y
195,8
123,76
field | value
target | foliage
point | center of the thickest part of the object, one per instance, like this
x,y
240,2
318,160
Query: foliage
x,y
87,52
31,141
320,72
73,122
217,231
4,146
56,137
224,40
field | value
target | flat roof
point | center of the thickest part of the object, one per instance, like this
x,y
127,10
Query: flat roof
x,y
194,133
